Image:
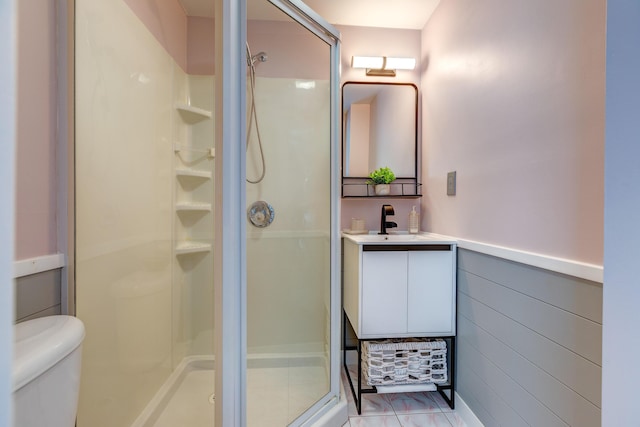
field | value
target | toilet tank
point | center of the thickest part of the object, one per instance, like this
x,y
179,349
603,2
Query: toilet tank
x,y
46,371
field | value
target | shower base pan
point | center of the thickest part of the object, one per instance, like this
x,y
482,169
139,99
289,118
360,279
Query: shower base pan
x,y
278,390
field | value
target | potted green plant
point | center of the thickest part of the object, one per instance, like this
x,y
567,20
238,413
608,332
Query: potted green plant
x,y
380,179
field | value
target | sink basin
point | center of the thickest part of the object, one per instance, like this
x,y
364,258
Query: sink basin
x,y
412,239
390,237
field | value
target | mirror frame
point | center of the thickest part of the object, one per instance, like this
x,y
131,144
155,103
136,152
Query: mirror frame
x,y
415,117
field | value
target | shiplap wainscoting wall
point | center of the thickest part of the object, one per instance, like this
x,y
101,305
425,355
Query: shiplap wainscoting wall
x,y
38,286
38,295
529,344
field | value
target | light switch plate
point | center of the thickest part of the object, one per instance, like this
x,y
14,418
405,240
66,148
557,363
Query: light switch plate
x,y
451,183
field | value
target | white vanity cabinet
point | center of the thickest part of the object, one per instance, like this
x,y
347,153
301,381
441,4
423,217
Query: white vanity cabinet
x,y
400,289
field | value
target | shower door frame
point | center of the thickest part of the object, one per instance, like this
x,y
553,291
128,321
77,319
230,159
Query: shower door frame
x,y
230,272
230,278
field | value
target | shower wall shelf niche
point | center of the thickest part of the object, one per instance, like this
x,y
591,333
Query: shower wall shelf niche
x,y
192,114
193,206
187,205
185,248
210,152
193,173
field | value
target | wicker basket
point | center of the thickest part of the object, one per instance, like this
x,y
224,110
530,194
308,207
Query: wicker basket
x,y
393,362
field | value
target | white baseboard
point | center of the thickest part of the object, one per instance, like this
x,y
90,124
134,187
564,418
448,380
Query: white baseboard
x,y
26,267
466,414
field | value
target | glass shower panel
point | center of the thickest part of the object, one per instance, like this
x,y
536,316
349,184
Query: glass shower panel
x,y
144,214
288,260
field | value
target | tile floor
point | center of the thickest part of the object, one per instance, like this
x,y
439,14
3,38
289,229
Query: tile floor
x,y
426,409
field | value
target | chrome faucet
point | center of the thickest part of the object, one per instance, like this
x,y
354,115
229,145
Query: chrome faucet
x,y
384,224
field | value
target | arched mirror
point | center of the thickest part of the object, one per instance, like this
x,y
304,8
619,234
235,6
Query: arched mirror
x,y
379,129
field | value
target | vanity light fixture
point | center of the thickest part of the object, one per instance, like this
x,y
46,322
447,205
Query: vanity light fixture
x,y
382,65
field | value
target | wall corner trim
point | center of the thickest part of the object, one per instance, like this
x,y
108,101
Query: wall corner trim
x,y
578,269
26,267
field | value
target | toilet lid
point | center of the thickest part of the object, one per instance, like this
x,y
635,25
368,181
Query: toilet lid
x,y
41,343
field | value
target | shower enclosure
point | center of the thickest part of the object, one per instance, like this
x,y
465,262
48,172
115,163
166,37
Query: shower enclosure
x,y
148,231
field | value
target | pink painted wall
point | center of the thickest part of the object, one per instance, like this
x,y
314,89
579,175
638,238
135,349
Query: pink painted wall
x,y
36,175
293,52
190,40
378,41
167,21
513,100
201,46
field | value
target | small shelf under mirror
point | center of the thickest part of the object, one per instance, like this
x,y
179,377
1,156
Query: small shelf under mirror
x,y
405,188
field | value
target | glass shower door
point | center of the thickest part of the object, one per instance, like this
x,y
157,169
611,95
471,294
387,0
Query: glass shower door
x,y
289,226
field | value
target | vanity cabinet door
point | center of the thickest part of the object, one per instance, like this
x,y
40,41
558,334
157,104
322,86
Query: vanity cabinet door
x,y
430,292
384,293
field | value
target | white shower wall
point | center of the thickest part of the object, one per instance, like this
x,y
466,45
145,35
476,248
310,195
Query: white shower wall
x,y
140,321
288,262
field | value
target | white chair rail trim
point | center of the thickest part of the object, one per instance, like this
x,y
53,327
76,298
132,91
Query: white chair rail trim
x,y
26,267
579,269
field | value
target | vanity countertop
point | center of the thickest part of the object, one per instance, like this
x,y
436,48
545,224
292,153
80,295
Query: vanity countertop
x,y
400,239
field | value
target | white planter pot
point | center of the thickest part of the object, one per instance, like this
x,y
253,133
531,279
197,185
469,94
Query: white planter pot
x,y
383,189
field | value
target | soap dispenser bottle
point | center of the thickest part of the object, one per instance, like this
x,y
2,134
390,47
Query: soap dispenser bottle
x,y
414,221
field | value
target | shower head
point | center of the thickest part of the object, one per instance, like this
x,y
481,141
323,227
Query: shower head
x,y
260,56
252,59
